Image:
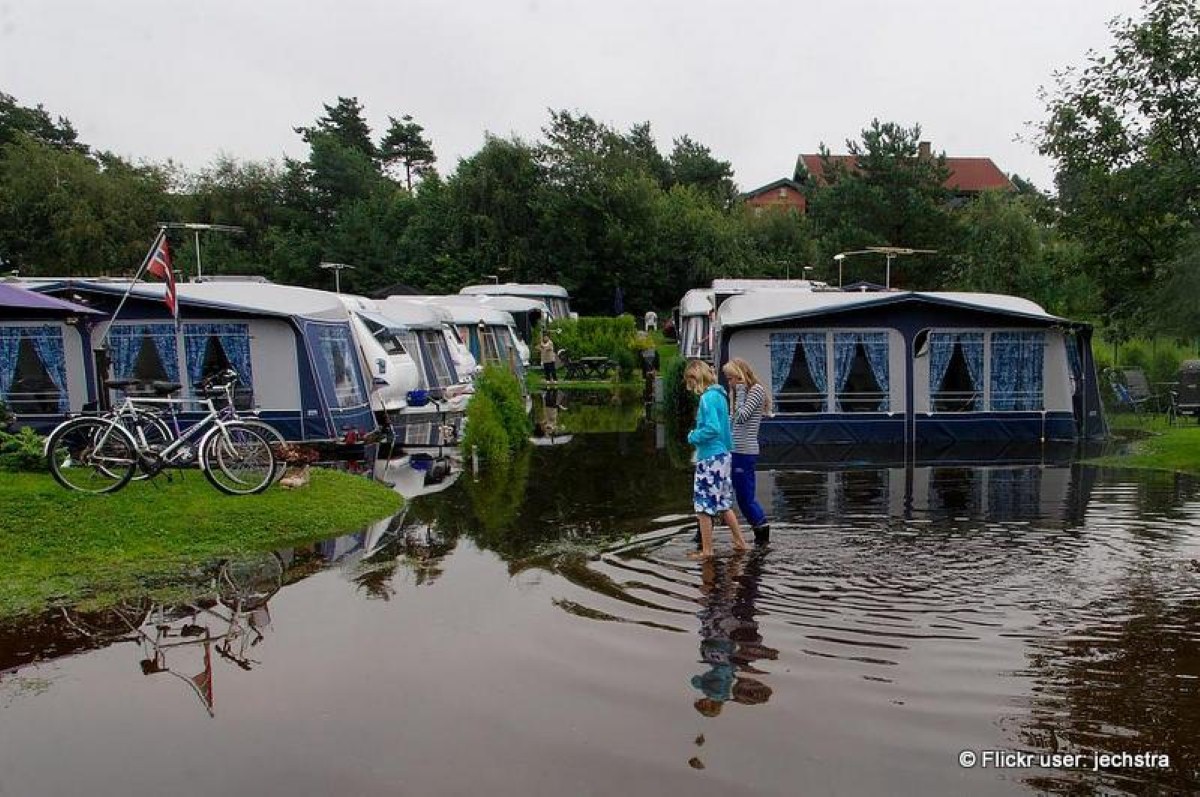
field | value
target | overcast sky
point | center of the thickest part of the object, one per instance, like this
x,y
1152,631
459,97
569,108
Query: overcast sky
x,y
757,82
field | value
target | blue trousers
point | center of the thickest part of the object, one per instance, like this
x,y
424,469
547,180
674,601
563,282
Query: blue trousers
x,y
743,488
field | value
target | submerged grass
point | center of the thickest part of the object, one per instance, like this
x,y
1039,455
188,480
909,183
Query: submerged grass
x,y
59,546
1157,445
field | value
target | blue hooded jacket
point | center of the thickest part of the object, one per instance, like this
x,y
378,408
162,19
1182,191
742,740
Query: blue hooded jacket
x,y
712,434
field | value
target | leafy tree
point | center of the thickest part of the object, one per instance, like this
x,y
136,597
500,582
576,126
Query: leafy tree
x,y
35,123
345,124
693,164
405,145
887,195
1125,133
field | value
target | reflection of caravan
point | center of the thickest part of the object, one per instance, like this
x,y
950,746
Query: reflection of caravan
x,y
919,368
44,345
293,348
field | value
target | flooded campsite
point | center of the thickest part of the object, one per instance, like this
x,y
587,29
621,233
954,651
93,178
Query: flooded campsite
x,y
540,629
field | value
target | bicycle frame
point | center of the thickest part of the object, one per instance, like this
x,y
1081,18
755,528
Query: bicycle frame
x,y
214,422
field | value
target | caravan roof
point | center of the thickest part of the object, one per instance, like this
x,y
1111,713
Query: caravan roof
x,y
14,297
252,297
411,312
517,289
470,312
761,307
697,301
744,285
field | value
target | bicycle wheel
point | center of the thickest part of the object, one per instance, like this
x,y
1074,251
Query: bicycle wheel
x,y
274,438
237,459
150,432
91,455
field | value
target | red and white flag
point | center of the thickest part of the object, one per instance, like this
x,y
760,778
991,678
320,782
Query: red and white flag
x,y
160,266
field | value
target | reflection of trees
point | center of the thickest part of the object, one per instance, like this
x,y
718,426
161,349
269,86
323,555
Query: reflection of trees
x,y
1130,684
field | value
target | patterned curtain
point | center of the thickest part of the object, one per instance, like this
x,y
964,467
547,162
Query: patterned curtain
x,y
941,352
783,350
814,352
1071,340
10,345
125,341
876,346
844,346
234,339
1017,368
49,344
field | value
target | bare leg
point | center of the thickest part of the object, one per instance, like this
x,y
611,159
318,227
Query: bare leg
x,y
706,537
739,542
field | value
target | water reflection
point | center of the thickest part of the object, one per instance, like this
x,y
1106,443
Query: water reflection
x,y
730,641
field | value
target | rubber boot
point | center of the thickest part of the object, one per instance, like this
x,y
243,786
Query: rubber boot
x,y
762,534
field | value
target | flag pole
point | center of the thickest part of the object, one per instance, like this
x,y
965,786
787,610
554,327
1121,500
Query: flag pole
x,y
162,231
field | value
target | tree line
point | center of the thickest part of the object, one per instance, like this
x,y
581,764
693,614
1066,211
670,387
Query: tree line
x,y
604,211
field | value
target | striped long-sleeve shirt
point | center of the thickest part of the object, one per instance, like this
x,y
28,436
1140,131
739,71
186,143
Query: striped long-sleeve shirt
x,y
746,414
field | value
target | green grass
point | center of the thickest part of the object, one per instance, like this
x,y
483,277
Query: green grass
x,y
59,546
1157,445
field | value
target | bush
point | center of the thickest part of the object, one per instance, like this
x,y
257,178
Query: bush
x,y
598,336
497,424
22,451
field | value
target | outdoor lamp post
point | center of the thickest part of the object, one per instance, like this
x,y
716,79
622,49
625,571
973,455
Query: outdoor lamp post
x,y
336,268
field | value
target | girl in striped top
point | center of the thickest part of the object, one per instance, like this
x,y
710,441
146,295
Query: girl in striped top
x,y
750,402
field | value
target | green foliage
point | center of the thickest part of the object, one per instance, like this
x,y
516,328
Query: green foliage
x,y
598,336
35,123
1126,139
21,450
405,145
497,423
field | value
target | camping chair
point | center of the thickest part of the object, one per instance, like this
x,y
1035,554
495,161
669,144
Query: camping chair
x,y
1125,396
1185,395
1139,386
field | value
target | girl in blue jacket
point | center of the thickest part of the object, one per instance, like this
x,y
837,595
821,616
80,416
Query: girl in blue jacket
x,y
712,492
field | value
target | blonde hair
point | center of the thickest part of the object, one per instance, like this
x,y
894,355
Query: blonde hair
x,y
698,376
738,368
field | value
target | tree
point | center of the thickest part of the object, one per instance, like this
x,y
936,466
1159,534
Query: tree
x,y
693,164
35,123
887,194
405,145
344,124
1125,135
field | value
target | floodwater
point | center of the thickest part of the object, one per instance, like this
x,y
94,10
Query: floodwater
x,y
542,631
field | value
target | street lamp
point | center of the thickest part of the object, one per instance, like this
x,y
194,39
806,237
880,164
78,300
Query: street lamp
x,y
336,268
888,252
840,257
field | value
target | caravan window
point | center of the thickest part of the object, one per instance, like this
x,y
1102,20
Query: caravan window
x,y
212,348
860,371
145,352
956,371
441,368
390,342
1017,371
33,370
337,361
798,378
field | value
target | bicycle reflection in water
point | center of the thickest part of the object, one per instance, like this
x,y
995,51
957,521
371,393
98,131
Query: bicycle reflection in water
x,y
730,641
228,617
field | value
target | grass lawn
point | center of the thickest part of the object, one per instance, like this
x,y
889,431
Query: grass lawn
x,y
56,545
1157,446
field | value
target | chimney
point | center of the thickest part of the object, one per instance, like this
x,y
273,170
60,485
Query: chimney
x,y
923,151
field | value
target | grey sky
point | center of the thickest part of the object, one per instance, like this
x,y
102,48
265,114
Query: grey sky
x,y
757,82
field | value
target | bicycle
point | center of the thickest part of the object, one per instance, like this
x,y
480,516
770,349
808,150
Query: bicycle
x,y
100,455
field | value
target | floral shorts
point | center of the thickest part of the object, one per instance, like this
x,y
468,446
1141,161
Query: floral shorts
x,y
712,490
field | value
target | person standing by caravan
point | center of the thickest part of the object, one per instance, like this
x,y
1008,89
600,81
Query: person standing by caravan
x,y
750,403
712,492
549,358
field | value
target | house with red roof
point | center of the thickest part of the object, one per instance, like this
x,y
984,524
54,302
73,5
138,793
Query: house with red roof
x,y
969,177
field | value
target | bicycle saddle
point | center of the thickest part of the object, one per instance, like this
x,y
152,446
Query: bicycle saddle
x,y
120,384
165,388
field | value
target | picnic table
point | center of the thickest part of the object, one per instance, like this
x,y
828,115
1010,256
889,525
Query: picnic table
x,y
589,368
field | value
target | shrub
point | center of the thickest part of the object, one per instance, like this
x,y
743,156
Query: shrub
x,y
22,451
485,431
598,336
504,391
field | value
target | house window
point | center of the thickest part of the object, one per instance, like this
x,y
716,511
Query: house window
x,y
1017,371
956,371
860,369
798,372
33,371
210,349
144,352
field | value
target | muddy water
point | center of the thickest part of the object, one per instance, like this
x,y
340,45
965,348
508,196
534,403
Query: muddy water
x,y
542,631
